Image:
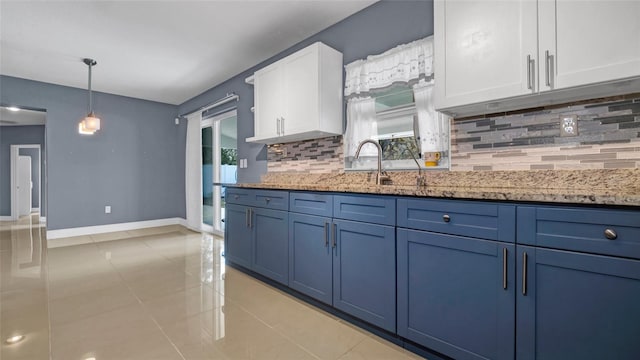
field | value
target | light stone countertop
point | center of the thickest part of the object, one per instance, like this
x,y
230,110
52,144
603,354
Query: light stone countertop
x,y
601,186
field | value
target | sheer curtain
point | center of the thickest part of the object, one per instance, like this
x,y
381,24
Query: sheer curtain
x,y
361,125
433,126
193,177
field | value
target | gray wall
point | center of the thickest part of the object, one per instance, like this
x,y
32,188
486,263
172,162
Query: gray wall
x,y
135,163
34,154
371,31
16,135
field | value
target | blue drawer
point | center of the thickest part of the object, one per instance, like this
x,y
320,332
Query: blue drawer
x,y
271,199
311,203
467,218
599,231
240,196
366,208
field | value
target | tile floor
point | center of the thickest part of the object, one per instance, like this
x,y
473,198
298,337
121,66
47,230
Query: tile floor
x,y
161,293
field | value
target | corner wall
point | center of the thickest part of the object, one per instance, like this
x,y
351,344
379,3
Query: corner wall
x,y
135,163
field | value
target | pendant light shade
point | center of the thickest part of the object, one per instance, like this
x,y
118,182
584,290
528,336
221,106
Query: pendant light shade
x,y
91,123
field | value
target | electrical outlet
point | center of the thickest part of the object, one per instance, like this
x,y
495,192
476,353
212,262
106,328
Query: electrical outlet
x,y
569,125
107,209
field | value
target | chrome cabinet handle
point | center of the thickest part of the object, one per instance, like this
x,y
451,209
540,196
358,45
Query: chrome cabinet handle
x,y
278,126
610,234
326,234
446,218
524,274
504,268
282,126
246,217
236,197
547,68
530,72
250,218
335,235
267,199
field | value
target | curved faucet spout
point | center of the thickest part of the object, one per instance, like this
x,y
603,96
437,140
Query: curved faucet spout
x,y
380,176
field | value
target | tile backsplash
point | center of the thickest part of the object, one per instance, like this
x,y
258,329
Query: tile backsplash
x,y
608,136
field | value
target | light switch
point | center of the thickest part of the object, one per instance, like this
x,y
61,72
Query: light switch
x,y
107,209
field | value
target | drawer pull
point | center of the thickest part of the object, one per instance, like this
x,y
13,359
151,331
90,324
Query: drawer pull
x,y
504,268
267,199
446,218
236,197
610,234
524,274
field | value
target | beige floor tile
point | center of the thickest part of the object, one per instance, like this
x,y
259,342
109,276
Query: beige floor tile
x,y
152,285
76,283
180,305
117,235
110,329
375,350
321,335
69,241
35,346
90,303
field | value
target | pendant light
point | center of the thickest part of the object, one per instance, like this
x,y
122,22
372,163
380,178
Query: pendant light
x,y
91,123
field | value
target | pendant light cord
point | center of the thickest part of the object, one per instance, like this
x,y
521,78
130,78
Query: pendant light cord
x,y
90,63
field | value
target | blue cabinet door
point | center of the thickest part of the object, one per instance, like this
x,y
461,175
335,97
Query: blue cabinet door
x,y
310,256
364,271
238,235
577,306
271,244
456,295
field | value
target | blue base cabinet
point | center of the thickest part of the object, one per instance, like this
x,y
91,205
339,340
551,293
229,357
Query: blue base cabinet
x,y
364,272
456,294
311,256
238,235
271,244
577,306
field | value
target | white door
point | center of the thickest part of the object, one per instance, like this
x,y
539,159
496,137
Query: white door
x,y
588,42
23,187
483,50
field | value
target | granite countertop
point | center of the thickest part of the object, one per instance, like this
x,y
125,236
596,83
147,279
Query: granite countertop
x,y
601,186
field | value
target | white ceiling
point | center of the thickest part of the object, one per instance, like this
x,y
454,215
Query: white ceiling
x,y
167,51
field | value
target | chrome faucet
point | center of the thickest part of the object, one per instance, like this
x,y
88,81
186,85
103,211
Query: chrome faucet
x,y
381,176
420,181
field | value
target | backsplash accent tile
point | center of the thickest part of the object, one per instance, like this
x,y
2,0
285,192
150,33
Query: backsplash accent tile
x,y
310,156
608,137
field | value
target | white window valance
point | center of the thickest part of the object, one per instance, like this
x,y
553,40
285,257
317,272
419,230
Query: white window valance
x,y
403,63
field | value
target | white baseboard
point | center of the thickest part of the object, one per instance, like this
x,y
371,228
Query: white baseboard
x,y
99,229
43,219
6,218
35,209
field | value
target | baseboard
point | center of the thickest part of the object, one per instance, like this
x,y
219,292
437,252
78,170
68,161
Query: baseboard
x,y
43,219
99,229
35,209
6,218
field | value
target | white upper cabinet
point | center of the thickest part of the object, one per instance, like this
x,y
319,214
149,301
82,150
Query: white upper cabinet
x,y
502,55
481,50
299,97
585,42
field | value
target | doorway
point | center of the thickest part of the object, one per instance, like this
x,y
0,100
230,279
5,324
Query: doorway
x,y
26,179
219,167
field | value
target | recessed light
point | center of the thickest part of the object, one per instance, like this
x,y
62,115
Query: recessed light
x,y
13,108
14,339
90,358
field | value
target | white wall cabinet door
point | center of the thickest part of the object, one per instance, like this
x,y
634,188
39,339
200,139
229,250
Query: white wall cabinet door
x,y
268,99
586,42
482,50
301,92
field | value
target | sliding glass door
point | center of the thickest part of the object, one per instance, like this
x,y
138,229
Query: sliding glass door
x,y
219,167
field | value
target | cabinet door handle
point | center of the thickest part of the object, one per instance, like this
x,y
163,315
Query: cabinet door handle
x,y
335,235
282,125
524,274
530,72
547,67
326,234
246,217
446,218
278,126
610,234
504,268
250,218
